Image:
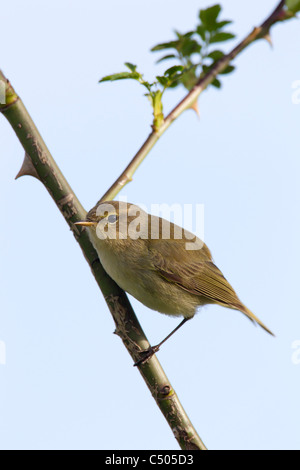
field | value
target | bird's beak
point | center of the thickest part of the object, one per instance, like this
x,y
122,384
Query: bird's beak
x,y
85,223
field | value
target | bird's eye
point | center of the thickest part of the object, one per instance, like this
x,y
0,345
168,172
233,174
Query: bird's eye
x,y
112,219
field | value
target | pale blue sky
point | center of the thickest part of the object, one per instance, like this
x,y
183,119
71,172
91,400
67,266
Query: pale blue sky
x,y
68,382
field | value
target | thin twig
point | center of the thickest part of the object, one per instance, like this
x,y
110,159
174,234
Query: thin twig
x,y
188,101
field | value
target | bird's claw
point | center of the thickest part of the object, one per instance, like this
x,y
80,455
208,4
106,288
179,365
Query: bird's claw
x,y
146,355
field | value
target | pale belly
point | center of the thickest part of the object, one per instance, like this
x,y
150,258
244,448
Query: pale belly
x,y
150,289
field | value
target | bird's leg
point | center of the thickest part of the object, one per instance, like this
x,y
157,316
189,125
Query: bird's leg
x,y
153,349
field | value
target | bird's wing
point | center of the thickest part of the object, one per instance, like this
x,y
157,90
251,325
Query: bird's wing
x,y
198,275
201,278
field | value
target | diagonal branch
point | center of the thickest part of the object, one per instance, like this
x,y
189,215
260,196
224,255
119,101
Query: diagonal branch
x,y
39,163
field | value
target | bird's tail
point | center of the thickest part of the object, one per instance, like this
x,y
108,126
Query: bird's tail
x,y
242,308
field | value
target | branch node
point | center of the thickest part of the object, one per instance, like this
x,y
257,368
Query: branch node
x,y
165,390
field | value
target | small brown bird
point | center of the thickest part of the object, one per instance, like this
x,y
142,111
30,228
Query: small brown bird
x,y
162,265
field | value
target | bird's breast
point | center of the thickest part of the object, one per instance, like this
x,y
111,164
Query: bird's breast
x,y
144,283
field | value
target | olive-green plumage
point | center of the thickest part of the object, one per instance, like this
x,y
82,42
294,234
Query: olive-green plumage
x,y
156,267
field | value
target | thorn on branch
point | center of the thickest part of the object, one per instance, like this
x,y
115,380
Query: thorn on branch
x,y
194,106
27,168
268,38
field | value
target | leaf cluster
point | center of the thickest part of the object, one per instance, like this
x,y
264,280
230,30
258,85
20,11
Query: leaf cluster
x,y
196,50
194,54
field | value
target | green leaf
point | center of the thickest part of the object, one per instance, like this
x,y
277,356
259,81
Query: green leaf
x,y
229,69
201,31
216,83
189,47
222,24
209,17
131,66
120,76
166,57
162,80
174,84
220,37
165,45
189,78
189,34
216,55
293,5
173,70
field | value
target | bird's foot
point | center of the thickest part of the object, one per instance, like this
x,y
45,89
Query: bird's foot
x,y
146,355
